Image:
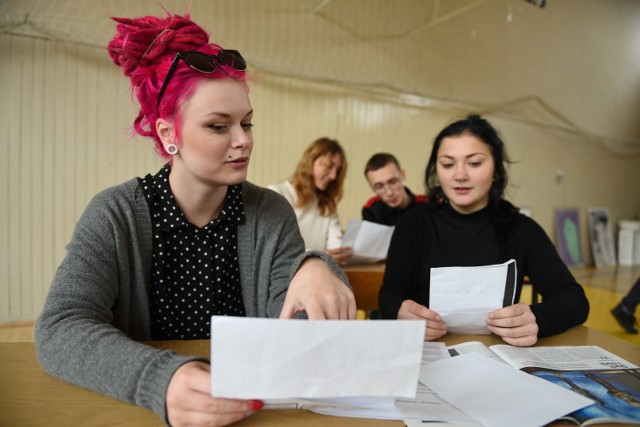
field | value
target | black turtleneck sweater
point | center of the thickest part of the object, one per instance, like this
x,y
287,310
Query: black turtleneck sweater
x,y
438,236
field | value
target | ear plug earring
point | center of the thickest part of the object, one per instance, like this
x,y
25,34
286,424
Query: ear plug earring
x,y
171,149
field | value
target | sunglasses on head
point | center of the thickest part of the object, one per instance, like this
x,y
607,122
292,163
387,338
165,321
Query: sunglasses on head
x,y
204,63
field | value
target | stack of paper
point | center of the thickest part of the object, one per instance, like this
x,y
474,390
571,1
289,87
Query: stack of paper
x,y
374,369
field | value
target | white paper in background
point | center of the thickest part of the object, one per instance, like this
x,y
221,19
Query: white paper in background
x,y
495,394
254,358
369,241
464,296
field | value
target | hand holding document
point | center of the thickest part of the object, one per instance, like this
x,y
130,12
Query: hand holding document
x,y
274,359
369,241
464,296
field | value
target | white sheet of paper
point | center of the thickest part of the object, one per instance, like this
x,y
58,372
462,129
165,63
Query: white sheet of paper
x,y
426,406
369,241
254,358
495,394
464,296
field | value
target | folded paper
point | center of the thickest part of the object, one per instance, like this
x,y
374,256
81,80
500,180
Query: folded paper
x,y
464,296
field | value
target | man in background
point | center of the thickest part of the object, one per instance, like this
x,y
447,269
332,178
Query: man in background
x,y
386,179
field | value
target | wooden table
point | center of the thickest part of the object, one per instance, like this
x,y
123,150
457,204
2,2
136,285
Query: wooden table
x,y
366,281
30,397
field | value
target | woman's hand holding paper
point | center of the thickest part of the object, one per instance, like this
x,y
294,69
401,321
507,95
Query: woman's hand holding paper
x,y
411,310
515,324
189,400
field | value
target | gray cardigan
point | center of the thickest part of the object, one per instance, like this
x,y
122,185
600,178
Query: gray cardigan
x,y
97,308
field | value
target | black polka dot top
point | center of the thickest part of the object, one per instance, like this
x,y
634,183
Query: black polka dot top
x,y
195,270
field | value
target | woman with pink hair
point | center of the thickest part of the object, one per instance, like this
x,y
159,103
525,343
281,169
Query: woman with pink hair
x,y
155,257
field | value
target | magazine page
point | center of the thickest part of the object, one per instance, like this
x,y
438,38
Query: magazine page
x,y
494,394
616,393
612,382
474,347
564,358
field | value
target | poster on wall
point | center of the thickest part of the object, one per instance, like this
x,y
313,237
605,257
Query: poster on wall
x,y
568,239
601,236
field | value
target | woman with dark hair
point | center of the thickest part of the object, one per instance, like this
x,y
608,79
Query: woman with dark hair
x,y
155,257
467,222
314,191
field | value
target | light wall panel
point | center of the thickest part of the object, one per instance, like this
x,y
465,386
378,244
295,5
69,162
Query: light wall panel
x,y
66,120
66,117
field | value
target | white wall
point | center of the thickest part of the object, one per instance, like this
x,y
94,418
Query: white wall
x,y
66,117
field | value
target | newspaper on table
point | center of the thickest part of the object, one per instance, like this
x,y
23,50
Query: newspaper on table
x,y
609,381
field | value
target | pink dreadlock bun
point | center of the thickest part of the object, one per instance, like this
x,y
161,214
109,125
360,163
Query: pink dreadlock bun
x,y
145,48
140,42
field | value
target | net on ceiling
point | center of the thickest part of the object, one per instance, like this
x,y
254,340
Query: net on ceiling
x,y
497,57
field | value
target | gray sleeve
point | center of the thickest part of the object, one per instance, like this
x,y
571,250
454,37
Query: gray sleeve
x,y
96,302
331,262
272,240
269,243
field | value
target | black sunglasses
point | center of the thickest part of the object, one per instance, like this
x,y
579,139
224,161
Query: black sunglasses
x,y
204,63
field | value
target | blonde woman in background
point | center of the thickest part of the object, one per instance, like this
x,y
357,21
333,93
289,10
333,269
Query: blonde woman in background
x,y
314,191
